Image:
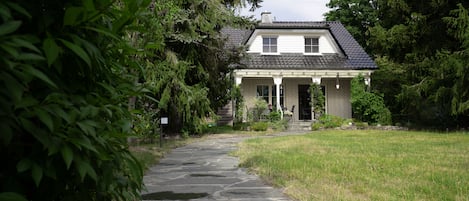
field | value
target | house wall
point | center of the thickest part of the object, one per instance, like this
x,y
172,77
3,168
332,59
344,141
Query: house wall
x,y
294,42
337,101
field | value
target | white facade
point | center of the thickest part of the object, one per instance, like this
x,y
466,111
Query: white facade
x,y
291,41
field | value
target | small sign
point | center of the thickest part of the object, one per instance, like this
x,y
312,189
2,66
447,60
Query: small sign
x,y
164,120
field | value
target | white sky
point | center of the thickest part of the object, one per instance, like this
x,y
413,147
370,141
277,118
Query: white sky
x,y
291,10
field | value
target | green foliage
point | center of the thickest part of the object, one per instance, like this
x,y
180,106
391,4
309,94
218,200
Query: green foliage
x,y
260,106
331,121
274,116
318,101
241,126
367,106
64,120
184,60
421,48
260,126
357,16
238,99
327,121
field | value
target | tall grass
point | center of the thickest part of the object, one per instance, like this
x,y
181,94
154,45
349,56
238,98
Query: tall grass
x,y
363,165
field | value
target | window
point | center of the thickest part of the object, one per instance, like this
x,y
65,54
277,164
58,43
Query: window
x,y
269,44
274,96
263,92
311,45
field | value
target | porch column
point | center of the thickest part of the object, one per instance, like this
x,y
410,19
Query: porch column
x,y
238,80
278,82
316,80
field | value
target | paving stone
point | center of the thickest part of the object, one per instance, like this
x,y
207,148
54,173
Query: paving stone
x,y
203,171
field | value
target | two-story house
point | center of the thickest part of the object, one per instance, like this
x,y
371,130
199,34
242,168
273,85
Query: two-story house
x,y
284,58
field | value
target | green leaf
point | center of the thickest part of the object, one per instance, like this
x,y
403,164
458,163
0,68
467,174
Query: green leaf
x,y
11,196
15,88
89,5
88,127
77,50
102,31
84,168
45,118
83,142
71,16
19,9
67,155
9,27
51,50
25,43
36,173
23,165
7,133
38,74
30,57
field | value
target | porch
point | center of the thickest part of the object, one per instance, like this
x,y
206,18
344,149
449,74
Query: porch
x,y
293,89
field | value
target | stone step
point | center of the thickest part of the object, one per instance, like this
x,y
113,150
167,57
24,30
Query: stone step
x,y
299,126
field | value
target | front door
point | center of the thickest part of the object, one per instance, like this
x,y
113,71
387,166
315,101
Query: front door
x,y
304,100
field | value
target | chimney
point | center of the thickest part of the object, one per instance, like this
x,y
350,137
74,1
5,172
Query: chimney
x,y
266,17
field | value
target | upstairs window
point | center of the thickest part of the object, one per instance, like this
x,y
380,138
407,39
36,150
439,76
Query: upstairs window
x,y
311,45
269,44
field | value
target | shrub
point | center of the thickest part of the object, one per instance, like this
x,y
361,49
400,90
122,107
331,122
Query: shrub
x,y
367,106
331,121
274,116
260,105
241,126
328,121
260,126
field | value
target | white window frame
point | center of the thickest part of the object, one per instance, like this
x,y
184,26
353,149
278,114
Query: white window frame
x,y
270,45
311,45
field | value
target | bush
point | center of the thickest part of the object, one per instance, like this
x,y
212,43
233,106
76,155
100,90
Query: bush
x,y
260,105
331,121
260,126
274,116
328,121
241,126
367,106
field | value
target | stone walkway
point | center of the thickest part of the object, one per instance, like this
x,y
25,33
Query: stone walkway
x,y
204,171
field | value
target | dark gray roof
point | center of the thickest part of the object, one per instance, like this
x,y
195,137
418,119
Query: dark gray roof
x,y
236,37
355,56
294,61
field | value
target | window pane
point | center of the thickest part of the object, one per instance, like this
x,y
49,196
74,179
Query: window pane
x,y
315,49
307,41
265,49
314,41
273,41
273,49
308,49
265,41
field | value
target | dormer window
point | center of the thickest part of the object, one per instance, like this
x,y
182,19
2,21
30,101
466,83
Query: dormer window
x,y
311,45
269,44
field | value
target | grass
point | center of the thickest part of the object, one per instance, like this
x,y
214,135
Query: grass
x,y
150,154
363,165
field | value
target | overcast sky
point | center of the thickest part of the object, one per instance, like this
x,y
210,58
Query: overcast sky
x,y
291,10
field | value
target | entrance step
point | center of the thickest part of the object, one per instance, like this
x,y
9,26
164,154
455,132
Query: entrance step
x,y
299,125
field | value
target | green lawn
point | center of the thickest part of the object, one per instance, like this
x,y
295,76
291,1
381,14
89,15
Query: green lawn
x,y
363,165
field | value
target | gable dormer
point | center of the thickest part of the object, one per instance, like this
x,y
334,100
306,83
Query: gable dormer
x,y
274,38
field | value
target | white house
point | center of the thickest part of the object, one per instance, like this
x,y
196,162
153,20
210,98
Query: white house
x,y
284,58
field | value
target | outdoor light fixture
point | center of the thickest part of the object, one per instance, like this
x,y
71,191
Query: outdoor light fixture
x,y
337,85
